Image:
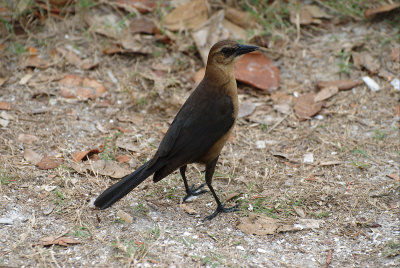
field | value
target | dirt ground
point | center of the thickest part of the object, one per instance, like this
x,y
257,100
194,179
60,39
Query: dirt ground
x,y
357,131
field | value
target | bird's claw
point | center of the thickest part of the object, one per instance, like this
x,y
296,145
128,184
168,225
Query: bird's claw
x,y
194,192
219,209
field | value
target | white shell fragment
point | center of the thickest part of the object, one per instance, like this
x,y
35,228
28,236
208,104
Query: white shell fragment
x,y
370,83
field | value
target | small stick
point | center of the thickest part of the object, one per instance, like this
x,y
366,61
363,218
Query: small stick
x,y
328,258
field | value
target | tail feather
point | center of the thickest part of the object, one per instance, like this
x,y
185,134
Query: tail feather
x,y
122,187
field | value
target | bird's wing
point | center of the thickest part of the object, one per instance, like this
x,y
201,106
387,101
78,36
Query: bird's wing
x,y
200,123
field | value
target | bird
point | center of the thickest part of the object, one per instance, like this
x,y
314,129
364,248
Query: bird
x,y
198,132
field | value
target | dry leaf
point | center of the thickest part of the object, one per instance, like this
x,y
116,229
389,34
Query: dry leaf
x,y
187,16
330,163
106,22
305,107
235,32
5,105
123,158
134,44
188,209
341,84
303,16
142,25
394,56
3,80
241,18
32,157
283,108
326,93
75,86
394,176
127,144
124,216
258,224
107,168
246,109
299,211
368,62
382,9
279,97
61,241
143,6
36,61
25,78
79,156
27,138
48,162
397,110
316,12
4,122
74,59
231,196
257,70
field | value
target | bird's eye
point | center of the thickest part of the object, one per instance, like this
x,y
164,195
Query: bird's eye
x,y
228,51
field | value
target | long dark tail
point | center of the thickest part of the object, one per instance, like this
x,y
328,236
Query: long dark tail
x,y
123,187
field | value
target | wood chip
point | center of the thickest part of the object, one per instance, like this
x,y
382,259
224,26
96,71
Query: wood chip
x,y
124,216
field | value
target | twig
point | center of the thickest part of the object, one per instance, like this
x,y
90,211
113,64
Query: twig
x,y
328,258
277,123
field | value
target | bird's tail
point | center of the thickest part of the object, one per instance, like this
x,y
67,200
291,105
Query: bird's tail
x,y
118,190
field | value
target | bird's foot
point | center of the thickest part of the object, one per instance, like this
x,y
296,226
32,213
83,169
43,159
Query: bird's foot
x,y
194,192
219,209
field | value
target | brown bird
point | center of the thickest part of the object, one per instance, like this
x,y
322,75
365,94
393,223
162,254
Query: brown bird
x,y
198,132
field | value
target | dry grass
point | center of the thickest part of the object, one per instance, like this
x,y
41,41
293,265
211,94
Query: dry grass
x,y
358,203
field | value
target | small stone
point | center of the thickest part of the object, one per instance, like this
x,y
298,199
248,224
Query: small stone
x,y
240,248
260,144
260,250
6,221
308,158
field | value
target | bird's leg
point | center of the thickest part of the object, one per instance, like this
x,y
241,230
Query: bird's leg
x,y
210,168
190,191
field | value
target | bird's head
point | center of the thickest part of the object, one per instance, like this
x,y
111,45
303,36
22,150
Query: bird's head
x,y
225,53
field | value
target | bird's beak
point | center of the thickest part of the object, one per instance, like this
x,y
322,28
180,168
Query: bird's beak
x,y
243,49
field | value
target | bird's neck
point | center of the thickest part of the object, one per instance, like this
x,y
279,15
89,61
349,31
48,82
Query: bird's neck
x,y
219,75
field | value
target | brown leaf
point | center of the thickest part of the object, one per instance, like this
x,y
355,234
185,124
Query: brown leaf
x,y
113,49
257,70
36,61
280,97
32,157
382,9
305,106
123,158
143,6
61,241
232,196
258,224
187,16
188,209
142,25
107,168
369,63
341,84
75,86
241,18
395,55
246,109
106,22
74,59
330,163
303,16
235,31
134,43
3,80
5,105
326,93
27,138
316,12
49,162
78,156
394,176
284,108
124,216
397,110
